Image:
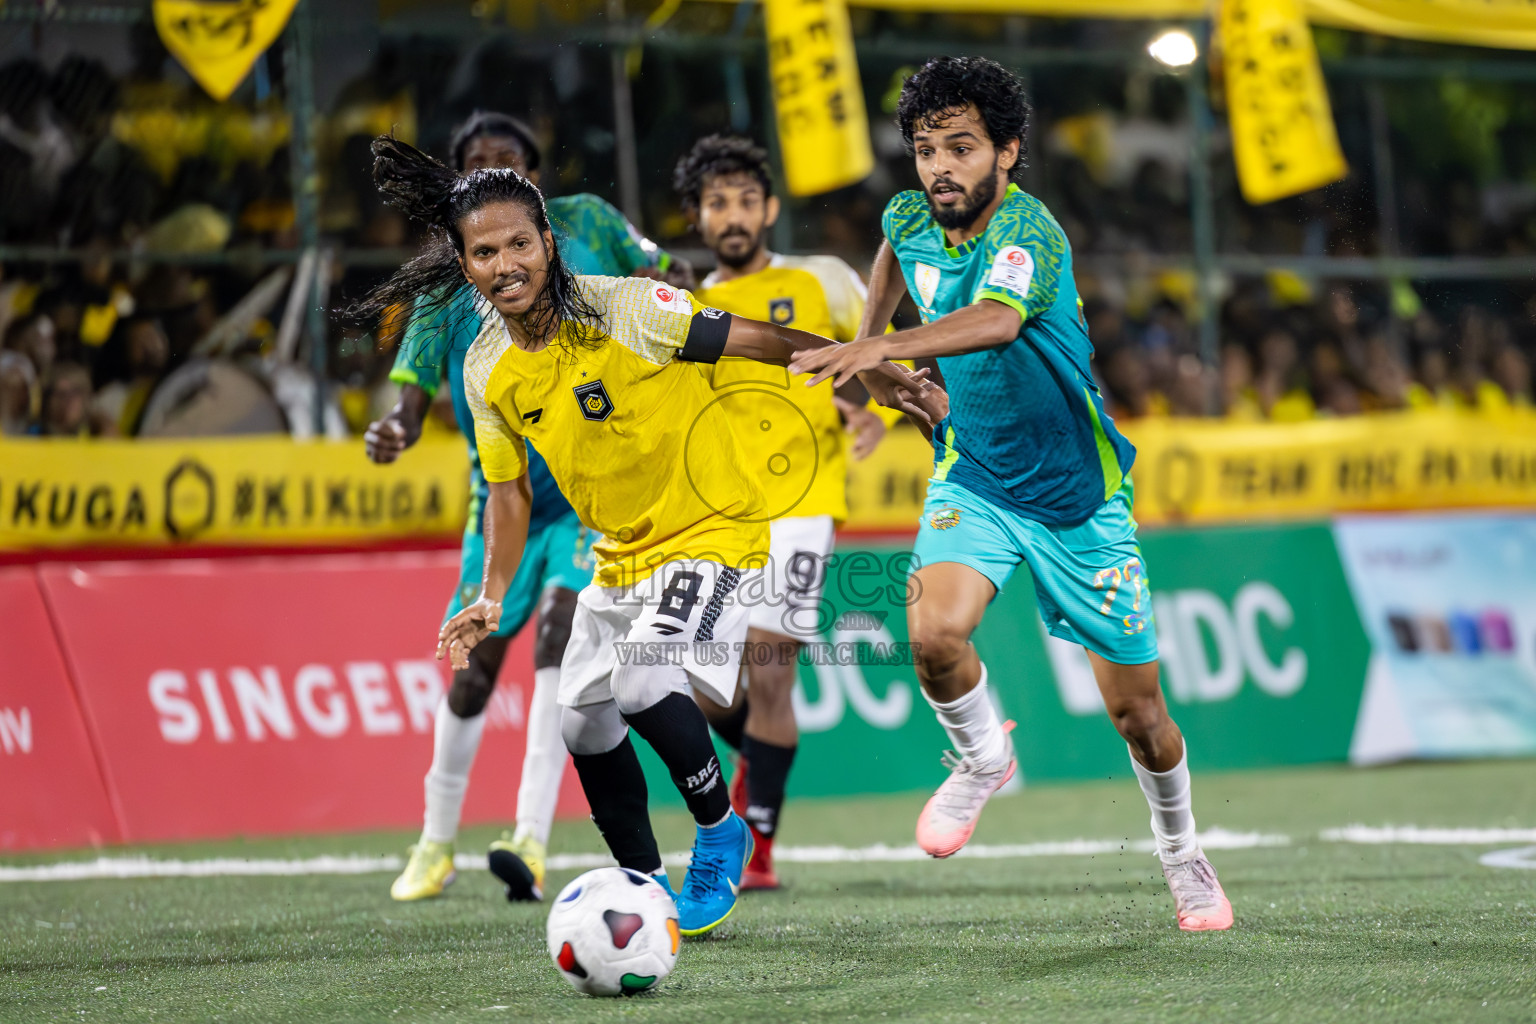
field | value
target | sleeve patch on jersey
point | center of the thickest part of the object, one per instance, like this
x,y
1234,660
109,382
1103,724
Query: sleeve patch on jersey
x,y
1013,268
707,332
674,300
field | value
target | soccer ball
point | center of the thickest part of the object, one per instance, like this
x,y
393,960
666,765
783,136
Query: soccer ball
x,y
613,932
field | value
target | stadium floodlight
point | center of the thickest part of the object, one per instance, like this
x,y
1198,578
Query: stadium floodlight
x,y
1175,48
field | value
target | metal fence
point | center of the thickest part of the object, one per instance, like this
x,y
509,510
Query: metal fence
x,y
716,57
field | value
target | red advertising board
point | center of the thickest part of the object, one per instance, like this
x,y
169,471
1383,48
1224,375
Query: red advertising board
x,y
276,695
51,791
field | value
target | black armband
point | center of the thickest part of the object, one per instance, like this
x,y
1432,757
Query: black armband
x,y
706,336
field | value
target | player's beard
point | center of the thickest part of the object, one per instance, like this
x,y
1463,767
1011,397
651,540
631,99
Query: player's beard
x,y
964,213
738,260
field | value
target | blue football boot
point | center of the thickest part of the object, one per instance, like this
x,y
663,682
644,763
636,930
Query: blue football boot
x,y
720,855
661,880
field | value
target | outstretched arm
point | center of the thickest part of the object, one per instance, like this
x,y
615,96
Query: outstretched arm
x,y
890,385
984,324
506,533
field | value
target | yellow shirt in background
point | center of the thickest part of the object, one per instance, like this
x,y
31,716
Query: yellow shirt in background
x,y
634,437
791,435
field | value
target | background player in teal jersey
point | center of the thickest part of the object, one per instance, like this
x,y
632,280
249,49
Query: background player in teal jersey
x,y
594,238
1029,468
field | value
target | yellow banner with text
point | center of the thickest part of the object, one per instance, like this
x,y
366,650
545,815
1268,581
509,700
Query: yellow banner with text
x,y
1198,471
277,492
1283,137
1509,24
226,491
817,97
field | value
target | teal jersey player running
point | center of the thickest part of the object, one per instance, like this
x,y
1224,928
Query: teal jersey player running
x,y
1028,466
1029,470
1027,427
593,238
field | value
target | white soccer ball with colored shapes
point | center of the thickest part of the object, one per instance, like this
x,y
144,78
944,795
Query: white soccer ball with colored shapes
x,y
613,932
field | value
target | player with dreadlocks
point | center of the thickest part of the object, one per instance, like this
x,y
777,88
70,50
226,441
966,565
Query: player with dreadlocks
x,y
596,372
595,239
1028,465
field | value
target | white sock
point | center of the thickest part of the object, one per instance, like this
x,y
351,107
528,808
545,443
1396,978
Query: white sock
x,y
454,743
543,759
973,726
1173,817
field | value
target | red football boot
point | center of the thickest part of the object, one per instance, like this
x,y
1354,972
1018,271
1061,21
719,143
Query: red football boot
x,y
759,873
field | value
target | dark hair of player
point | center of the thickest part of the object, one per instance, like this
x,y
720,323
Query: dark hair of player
x,y
719,156
945,86
490,122
427,190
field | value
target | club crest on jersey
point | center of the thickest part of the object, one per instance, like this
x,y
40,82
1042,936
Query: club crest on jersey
x,y
594,401
927,279
944,518
781,311
672,299
1013,268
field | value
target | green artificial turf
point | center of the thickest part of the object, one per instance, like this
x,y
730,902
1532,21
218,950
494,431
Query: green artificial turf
x,y
1325,930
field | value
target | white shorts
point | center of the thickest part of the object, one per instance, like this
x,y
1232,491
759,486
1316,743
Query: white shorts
x,y
687,614
788,601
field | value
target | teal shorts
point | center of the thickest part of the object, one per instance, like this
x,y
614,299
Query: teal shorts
x,y
1090,579
559,555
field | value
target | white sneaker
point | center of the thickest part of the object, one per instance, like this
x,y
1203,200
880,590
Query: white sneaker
x,y
1197,895
950,816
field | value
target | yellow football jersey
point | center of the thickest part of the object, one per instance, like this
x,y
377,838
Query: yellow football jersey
x,y
791,435
634,436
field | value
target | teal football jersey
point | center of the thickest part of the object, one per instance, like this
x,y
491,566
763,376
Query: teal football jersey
x,y
1026,426
596,239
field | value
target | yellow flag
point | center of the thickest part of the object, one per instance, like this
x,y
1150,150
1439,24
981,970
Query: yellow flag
x,y
1282,127
823,132
218,41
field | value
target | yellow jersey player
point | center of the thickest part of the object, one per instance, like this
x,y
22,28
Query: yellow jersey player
x,y
601,375
796,443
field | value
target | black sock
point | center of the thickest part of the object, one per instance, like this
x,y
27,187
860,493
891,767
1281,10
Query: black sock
x,y
615,786
767,774
731,727
678,731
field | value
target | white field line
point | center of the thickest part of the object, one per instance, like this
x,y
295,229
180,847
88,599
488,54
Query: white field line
x,y
1213,839
144,867
1520,857
1412,834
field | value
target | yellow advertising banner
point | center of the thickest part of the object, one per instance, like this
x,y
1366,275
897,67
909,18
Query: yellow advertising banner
x,y
1510,24
1138,9
1208,471
236,492
817,97
218,41
1283,137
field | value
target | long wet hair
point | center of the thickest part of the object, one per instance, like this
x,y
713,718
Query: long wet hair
x,y
427,190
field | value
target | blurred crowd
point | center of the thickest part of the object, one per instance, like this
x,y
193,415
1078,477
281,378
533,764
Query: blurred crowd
x,y
163,318
1290,352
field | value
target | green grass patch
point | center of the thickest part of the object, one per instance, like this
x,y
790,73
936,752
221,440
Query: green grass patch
x,y
1325,931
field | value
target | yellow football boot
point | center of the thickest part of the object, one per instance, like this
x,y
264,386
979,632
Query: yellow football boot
x,y
518,860
427,874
